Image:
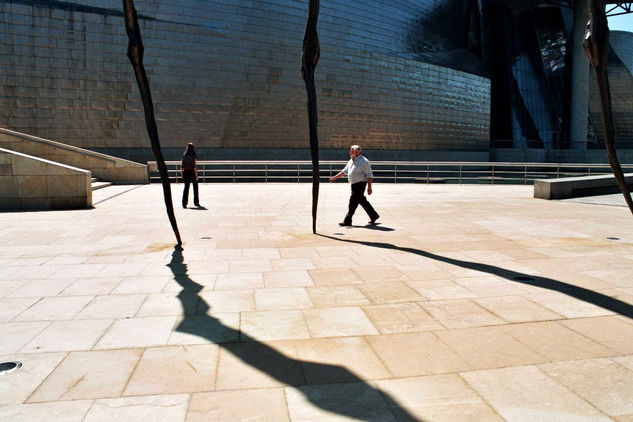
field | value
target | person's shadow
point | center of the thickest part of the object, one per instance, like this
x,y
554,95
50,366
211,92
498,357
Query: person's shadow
x,y
376,227
346,393
196,207
586,295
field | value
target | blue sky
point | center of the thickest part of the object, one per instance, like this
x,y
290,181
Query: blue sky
x,y
621,22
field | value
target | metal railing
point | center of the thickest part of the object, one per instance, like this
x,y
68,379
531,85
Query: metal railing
x,y
384,171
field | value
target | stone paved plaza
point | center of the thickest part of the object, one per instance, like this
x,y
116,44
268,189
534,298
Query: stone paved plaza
x,y
468,303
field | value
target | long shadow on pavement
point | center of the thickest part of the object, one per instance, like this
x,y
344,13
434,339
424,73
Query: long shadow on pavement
x,y
346,394
586,295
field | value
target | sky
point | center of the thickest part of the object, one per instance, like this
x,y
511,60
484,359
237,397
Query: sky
x,y
621,23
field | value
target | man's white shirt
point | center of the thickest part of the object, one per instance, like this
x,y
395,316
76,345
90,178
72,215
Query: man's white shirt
x,y
358,170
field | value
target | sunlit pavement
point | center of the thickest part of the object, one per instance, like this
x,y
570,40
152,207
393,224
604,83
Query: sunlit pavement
x,y
465,303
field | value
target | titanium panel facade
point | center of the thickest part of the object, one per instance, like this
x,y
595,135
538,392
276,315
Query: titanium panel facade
x,y
620,71
393,75
529,62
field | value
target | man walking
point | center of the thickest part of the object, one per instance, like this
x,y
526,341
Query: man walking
x,y
359,175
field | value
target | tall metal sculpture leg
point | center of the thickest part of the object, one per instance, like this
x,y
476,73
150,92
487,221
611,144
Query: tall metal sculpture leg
x,y
135,54
596,46
311,53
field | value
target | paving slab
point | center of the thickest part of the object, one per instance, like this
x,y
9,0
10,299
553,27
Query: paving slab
x,y
174,369
68,336
88,375
267,404
439,398
465,303
35,369
525,393
489,347
612,332
163,407
602,382
351,401
61,411
275,325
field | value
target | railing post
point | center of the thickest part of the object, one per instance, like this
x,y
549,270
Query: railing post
x,y
233,172
493,174
266,173
428,173
395,173
460,174
525,176
557,171
298,173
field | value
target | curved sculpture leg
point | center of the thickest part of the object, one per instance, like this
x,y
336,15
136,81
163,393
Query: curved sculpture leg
x,y
135,54
596,46
310,58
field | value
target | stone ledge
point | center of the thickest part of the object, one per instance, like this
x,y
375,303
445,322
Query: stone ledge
x,y
106,167
29,182
573,187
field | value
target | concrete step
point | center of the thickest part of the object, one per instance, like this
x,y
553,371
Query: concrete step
x,y
100,185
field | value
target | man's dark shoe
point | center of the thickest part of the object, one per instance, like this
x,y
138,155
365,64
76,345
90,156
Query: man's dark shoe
x,y
197,205
344,223
373,220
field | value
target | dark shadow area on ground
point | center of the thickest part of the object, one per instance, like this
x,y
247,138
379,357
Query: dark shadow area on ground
x,y
117,194
22,210
199,208
376,227
346,394
586,295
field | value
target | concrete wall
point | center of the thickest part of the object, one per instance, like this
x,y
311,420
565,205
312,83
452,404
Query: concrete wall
x,y
28,182
226,75
105,167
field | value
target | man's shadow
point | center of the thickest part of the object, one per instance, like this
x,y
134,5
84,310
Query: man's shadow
x,y
300,374
586,295
377,227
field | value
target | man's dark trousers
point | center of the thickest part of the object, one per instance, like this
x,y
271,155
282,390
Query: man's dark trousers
x,y
358,197
189,177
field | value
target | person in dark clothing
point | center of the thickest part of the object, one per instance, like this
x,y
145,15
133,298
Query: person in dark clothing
x,y
359,173
189,173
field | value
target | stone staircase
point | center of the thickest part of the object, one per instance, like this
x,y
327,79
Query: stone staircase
x,y
39,173
99,184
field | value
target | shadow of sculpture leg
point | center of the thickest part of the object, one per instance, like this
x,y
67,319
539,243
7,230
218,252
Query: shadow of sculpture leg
x,y
350,397
586,295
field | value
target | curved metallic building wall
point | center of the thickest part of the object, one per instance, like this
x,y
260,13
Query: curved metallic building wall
x,y
620,70
529,64
226,74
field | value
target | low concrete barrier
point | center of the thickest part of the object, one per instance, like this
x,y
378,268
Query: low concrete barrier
x,y
105,167
573,187
28,182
